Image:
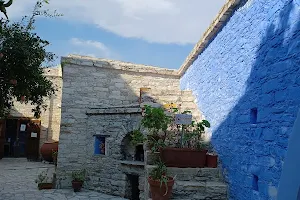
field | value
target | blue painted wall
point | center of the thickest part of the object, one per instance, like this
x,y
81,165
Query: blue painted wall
x,y
289,185
252,65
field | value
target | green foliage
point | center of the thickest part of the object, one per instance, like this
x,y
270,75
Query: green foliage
x,y
4,5
42,178
137,137
22,53
160,173
79,175
156,144
155,119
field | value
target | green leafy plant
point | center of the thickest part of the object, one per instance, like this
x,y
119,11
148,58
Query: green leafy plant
x,y
42,178
137,137
22,54
4,5
157,122
155,119
160,173
79,175
54,156
156,145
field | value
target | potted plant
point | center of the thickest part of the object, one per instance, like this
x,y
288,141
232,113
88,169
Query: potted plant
x,y
78,177
180,144
189,150
54,156
161,185
42,181
155,121
137,137
211,158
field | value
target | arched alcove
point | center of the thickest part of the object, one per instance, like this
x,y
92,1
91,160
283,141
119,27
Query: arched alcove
x,y
131,152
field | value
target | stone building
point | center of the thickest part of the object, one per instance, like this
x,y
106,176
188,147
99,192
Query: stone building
x,y
243,75
15,126
101,105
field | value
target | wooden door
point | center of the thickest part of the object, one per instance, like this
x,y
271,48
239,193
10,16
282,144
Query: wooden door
x,y
33,139
22,134
2,137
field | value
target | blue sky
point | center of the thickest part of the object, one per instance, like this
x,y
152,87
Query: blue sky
x,y
153,32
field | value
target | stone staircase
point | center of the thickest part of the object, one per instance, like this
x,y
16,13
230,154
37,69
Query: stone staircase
x,y
196,183
190,183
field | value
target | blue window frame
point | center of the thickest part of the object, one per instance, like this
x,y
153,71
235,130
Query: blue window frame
x,y
99,146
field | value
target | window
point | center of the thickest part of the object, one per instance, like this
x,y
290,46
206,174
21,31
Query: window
x,y
255,183
99,148
253,116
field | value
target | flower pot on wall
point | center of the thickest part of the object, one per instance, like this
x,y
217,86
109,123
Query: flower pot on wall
x,y
161,192
77,185
47,149
212,160
183,157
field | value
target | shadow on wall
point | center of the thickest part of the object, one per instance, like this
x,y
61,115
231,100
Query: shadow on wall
x,y
100,107
252,151
289,187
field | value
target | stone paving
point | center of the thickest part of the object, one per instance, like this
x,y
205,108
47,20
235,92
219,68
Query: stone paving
x,y
17,182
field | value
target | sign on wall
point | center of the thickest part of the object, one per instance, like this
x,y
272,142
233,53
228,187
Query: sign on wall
x,y
34,135
23,127
183,119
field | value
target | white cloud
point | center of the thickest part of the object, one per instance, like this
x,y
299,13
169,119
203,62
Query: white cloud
x,y
162,21
89,43
92,48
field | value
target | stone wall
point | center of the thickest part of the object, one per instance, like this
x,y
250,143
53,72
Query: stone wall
x,y
50,118
246,83
102,97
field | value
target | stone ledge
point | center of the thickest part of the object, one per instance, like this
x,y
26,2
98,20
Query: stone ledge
x,y
132,163
116,65
106,111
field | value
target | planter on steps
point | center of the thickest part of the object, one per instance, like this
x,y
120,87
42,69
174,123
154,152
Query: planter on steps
x,y
212,160
161,192
45,186
77,185
183,157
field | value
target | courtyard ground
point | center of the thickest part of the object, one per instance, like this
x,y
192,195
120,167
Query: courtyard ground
x,y
17,182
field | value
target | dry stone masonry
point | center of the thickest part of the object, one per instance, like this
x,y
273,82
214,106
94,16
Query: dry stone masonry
x,y
101,105
246,80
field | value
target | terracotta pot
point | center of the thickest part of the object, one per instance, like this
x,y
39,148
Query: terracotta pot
x,y
46,150
211,160
77,185
183,157
160,192
43,186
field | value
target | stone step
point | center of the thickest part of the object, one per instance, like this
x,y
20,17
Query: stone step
x,y
167,92
193,174
199,190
